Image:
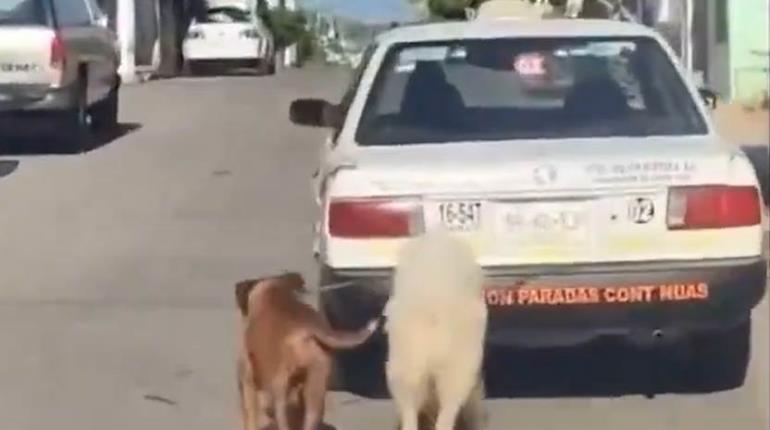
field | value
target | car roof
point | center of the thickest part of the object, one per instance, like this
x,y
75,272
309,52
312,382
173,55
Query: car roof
x,y
510,27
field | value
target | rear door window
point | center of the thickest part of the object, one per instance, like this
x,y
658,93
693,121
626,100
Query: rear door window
x,y
71,13
23,12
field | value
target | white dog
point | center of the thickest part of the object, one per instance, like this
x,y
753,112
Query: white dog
x,y
436,322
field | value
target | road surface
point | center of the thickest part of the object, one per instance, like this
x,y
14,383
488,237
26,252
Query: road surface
x,y
116,289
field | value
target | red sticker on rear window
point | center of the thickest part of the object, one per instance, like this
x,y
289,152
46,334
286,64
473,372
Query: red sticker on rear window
x,y
530,65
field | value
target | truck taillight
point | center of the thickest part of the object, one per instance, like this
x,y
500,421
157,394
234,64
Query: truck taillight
x,y
712,206
58,59
58,53
374,218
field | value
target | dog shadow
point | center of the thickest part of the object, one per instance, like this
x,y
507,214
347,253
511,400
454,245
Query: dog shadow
x,y
603,368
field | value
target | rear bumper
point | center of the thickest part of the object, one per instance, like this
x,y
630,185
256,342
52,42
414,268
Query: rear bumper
x,y
735,287
197,51
36,98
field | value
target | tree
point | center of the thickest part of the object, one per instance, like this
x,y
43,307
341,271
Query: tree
x,y
455,9
288,26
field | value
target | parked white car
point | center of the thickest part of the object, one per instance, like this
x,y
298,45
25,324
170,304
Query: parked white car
x,y
233,35
58,70
600,201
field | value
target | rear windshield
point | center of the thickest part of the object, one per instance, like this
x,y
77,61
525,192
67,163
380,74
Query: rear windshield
x,y
22,12
227,15
477,90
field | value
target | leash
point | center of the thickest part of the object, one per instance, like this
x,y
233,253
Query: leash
x,y
336,286
381,317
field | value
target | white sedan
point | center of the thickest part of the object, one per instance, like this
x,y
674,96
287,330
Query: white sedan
x,y
578,160
231,35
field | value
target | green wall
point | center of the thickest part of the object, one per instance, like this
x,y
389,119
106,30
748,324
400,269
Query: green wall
x,y
748,23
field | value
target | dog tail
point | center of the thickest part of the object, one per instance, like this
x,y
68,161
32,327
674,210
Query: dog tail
x,y
336,339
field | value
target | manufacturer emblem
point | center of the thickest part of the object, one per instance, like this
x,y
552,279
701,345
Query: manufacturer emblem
x,y
545,175
641,210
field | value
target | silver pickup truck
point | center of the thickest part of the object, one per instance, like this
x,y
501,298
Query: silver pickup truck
x,y
58,70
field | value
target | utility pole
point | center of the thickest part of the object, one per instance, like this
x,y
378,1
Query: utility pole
x,y
686,16
125,27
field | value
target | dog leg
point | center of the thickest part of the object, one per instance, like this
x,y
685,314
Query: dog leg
x,y
247,390
279,392
408,395
454,387
314,393
472,414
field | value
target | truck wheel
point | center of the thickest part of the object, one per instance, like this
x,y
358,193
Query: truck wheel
x,y
719,361
77,136
105,114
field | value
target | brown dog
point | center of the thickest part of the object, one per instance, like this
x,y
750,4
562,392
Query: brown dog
x,y
285,362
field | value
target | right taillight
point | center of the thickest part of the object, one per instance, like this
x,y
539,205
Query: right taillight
x,y
712,206
58,59
374,218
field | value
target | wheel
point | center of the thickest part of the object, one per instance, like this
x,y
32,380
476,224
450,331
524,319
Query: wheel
x,y
77,122
719,361
104,116
265,67
195,68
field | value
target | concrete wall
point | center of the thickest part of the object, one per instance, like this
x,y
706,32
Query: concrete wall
x,y
748,38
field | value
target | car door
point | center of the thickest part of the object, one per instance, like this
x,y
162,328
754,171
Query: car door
x,y
89,43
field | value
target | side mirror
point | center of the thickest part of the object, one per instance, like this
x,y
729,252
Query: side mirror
x,y
314,113
709,97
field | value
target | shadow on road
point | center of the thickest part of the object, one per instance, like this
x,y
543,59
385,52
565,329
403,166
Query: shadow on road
x,y
24,145
214,71
7,167
600,369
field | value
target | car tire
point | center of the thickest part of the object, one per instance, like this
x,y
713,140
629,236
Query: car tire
x,y
77,137
104,116
195,69
265,68
719,361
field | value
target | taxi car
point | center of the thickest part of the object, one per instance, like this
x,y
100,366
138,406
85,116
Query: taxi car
x,y
575,156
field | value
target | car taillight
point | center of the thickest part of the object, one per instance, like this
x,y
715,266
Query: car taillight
x,y
373,218
713,206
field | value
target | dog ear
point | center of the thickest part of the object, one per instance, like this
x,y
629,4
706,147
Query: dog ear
x,y
242,291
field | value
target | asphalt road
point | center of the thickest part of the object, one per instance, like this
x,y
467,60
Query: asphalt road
x,y
116,288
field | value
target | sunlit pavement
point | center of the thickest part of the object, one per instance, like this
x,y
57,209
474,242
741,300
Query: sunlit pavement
x,y
116,288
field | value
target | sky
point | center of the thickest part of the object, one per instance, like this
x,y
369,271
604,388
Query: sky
x,y
365,10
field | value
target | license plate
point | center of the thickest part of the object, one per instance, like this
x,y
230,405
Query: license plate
x,y
460,215
544,222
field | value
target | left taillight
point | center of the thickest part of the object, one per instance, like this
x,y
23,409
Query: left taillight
x,y
58,58
713,206
374,218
